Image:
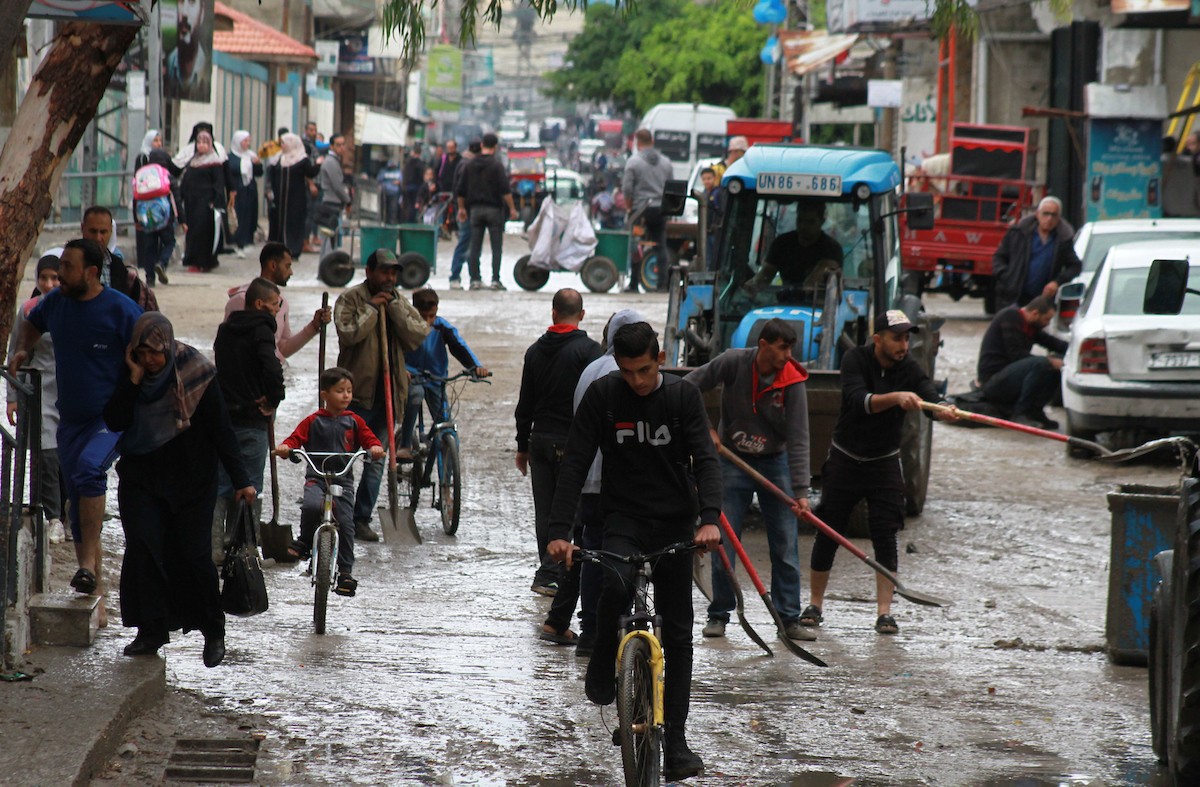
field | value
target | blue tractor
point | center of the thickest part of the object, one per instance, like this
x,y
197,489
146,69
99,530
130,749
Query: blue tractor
x,y
809,235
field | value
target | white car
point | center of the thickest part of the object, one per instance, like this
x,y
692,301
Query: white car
x,y
1094,239
1127,370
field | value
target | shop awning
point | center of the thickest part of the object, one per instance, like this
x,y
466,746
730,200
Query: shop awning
x,y
374,126
805,51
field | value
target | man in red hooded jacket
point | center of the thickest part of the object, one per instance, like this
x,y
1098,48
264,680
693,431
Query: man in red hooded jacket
x,y
764,419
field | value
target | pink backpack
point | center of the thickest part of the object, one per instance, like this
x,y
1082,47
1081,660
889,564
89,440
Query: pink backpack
x,y
150,181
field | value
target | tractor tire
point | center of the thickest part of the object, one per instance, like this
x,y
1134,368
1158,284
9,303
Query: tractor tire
x,y
1182,687
1159,658
916,452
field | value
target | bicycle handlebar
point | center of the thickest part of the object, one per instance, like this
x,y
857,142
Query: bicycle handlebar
x,y
299,454
599,555
471,376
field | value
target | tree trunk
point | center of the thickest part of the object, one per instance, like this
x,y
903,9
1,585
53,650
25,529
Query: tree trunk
x,y
61,101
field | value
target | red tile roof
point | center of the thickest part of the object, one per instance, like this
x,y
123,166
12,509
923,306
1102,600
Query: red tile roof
x,y
256,40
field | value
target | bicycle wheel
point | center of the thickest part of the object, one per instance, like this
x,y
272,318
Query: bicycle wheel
x,y
640,752
322,578
449,484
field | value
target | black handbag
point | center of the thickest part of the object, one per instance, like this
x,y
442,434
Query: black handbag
x,y
243,588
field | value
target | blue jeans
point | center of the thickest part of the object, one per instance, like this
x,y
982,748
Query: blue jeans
x,y
460,250
1026,385
434,394
368,487
781,535
252,445
311,511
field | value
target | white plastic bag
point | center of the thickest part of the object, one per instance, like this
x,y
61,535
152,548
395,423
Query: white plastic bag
x,y
543,236
561,239
578,241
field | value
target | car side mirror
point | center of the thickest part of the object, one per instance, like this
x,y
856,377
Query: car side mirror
x,y
674,197
919,207
1071,292
1166,287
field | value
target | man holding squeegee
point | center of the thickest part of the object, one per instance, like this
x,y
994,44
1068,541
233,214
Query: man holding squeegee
x,y
880,384
764,420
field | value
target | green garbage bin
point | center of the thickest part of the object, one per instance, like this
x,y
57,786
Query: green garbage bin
x,y
1144,520
377,237
420,239
614,244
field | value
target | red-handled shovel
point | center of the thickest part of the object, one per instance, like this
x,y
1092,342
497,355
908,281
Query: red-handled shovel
x,y
765,595
914,596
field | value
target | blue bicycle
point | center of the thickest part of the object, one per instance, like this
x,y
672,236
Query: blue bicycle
x,y
438,449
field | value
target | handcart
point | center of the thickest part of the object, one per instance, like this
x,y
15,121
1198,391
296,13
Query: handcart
x,y
562,239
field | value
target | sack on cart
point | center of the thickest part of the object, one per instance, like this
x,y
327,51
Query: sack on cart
x,y
561,238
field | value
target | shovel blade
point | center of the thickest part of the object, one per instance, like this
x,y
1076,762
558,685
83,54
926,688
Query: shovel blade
x,y
702,573
1182,445
276,539
399,526
924,599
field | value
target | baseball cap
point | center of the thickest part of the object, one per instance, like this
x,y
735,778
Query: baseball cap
x,y
383,258
895,321
739,143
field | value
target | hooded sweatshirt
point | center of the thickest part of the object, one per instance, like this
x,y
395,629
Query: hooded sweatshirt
x,y
552,367
594,371
646,176
247,367
761,416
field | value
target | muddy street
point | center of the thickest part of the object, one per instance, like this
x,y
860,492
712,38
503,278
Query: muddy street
x,y
434,673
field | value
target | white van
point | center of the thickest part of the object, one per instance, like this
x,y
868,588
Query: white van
x,y
686,133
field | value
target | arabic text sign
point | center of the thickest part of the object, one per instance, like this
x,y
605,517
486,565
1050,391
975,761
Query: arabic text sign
x,y
1124,173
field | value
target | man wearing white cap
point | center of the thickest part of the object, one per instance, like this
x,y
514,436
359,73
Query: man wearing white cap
x,y
737,148
880,383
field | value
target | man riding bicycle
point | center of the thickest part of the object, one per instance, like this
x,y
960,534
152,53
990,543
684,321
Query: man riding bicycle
x,y
649,428
432,358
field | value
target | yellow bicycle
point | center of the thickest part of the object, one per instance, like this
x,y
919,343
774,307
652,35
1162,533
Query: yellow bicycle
x,y
640,677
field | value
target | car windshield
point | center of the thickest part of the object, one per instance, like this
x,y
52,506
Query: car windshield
x,y
1127,290
1101,242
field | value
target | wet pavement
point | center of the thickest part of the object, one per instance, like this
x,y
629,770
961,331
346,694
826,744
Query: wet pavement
x,y
434,674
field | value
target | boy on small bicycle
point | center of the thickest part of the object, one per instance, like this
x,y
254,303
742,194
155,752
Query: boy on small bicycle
x,y
432,357
331,429
652,434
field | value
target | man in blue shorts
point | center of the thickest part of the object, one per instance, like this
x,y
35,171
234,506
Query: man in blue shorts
x,y
91,325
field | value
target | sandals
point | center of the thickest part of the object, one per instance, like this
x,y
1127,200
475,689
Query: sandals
x,y
346,586
299,550
886,624
565,637
84,582
811,616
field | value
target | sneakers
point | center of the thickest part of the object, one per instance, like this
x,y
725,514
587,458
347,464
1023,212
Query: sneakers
x,y
715,627
497,286
241,253
1037,420
886,624
476,285
455,284
811,616
679,761
544,589
363,532
600,685
161,273
55,531
794,629
346,586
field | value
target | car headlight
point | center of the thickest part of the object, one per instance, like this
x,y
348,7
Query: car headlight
x,y
735,186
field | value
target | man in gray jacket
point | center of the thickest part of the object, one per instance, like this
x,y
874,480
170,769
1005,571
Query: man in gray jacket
x,y
764,420
332,182
646,176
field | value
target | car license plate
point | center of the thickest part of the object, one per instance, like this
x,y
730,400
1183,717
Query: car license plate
x,y
799,184
1175,360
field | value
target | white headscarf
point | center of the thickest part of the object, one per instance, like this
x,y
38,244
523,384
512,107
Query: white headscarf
x,y
245,157
293,150
211,159
148,142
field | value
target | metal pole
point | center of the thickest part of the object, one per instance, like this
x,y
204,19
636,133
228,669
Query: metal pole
x,y
153,70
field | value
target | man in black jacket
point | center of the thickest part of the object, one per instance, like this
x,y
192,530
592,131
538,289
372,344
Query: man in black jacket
x,y
250,375
649,427
1035,256
544,412
414,176
483,193
880,384
1010,374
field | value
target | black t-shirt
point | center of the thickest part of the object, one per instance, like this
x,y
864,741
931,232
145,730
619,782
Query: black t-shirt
x,y
795,261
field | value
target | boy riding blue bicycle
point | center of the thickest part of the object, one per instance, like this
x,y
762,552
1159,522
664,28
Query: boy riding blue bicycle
x,y
332,429
432,359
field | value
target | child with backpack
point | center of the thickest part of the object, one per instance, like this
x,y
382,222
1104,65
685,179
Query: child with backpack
x,y
154,209
333,428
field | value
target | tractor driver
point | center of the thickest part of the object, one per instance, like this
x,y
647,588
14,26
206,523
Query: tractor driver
x,y
803,256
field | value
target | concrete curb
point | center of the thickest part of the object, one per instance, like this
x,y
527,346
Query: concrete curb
x,y
61,727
